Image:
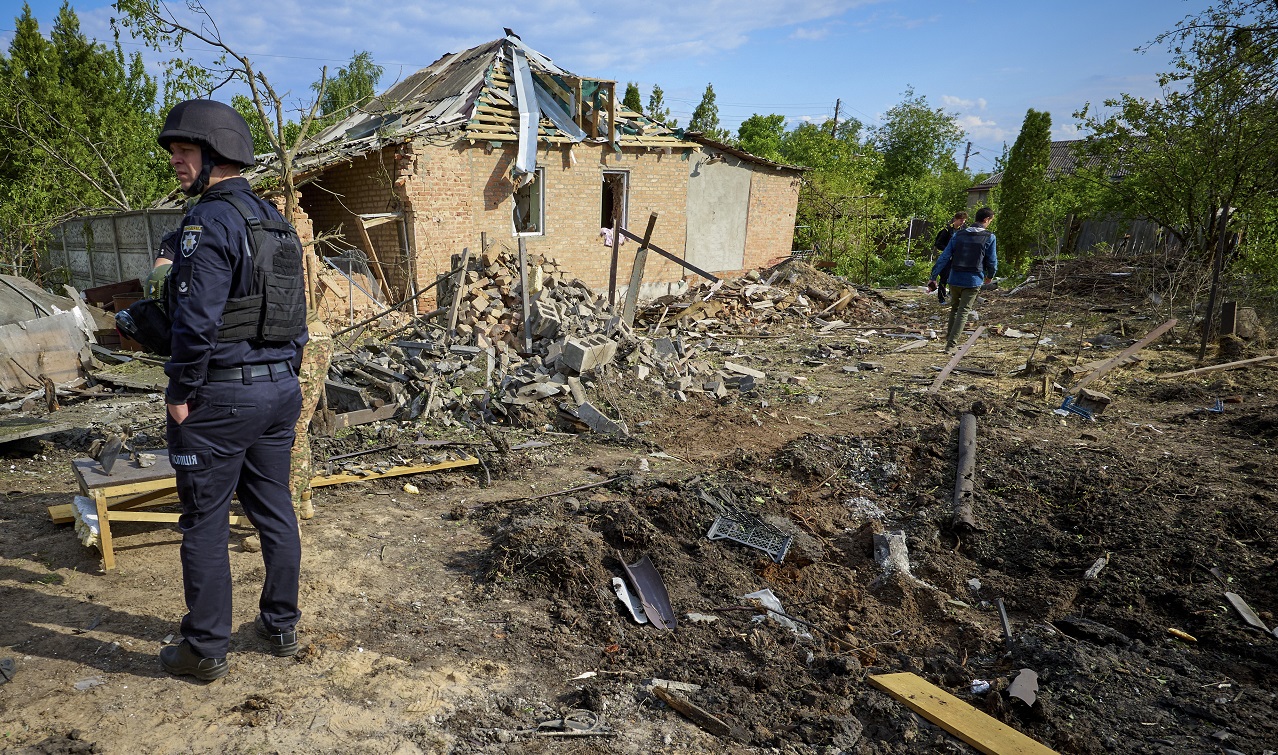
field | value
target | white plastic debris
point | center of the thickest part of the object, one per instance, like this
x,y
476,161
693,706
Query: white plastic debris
x,y
90,683
980,686
85,512
769,600
628,600
702,618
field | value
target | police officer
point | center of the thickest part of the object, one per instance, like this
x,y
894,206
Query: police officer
x,y
233,395
972,255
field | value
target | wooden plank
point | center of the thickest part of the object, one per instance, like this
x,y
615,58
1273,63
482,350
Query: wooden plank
x,y
62,513
126,478
985,733
1109,365
612,269
636,272
339,479
523,290
365,416
954,360
373,258
696,714
1215,367
459,286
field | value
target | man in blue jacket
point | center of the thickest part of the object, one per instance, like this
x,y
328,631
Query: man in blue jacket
x,y
973,260
236,297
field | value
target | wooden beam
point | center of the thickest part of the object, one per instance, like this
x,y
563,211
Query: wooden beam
x,y
954,360
965,480
985,733
612,113
1113,362
365,416
373,258
578,109
1215,367
339,479
460,285
523,291
636,272
612,269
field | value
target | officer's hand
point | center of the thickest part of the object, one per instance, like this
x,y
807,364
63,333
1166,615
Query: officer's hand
x,y
178,412
931,285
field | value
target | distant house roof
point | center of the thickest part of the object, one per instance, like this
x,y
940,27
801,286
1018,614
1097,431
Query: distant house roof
x,y
1063,158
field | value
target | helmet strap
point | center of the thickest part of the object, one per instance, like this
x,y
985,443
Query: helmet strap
x,y
201,181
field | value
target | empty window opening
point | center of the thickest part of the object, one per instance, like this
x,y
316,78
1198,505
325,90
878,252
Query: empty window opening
x,y
530,206
613,206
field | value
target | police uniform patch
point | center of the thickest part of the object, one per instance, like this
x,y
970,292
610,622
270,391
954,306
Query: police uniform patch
x,y
190,238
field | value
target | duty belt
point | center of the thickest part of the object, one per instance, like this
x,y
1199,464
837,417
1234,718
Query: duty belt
x,y
249,372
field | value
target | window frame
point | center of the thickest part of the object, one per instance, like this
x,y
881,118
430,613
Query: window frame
x,y
539,180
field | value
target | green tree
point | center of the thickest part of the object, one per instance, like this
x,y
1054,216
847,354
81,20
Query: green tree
x,y
1021,199
657,109
705,118
78,122
762,135
632,99
155,24
349,90
917,142
1207,142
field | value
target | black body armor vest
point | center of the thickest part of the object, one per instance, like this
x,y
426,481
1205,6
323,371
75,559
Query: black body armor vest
x,y
275,309
969,251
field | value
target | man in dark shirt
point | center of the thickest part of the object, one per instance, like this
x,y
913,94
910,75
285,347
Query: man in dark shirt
x,y
943,239
232,400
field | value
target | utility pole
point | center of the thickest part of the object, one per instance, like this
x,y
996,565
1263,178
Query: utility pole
x,y
834,124
968,153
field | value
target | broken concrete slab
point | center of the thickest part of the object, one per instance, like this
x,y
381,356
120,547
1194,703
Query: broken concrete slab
x,y
1093,401
742,370
600,423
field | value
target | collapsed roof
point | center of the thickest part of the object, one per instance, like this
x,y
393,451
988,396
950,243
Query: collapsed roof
x,y
477,95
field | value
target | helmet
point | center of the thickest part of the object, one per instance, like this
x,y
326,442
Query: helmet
x,y
210,124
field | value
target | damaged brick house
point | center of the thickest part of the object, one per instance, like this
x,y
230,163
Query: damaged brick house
x,y
498,140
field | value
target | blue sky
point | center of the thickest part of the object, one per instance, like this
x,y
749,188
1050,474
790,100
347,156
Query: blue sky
x,y
986,62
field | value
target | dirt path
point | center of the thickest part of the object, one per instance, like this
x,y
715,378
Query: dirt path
x,y
458,619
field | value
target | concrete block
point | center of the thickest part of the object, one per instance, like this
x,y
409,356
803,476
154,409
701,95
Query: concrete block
x,y
588,352
600,423
680,384
716,388
544,319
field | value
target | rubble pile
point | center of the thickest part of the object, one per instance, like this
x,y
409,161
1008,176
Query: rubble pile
x,y
486,367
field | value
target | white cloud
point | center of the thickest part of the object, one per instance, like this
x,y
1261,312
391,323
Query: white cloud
x,y
1067,131
805,34
587,38
958,102
979,129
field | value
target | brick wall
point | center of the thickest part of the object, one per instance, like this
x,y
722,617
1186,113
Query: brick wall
x,y
450,194
774,199
366,185
573,202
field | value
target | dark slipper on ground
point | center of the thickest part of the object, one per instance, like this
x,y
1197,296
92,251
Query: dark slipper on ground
x,y
7,669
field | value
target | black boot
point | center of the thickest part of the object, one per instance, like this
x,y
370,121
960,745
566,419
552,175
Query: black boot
x,y
182,660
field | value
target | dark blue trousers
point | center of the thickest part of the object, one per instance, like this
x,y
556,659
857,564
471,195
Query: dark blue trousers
x,y
236,440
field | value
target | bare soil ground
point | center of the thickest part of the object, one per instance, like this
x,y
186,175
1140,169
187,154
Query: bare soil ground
x,y
458,619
